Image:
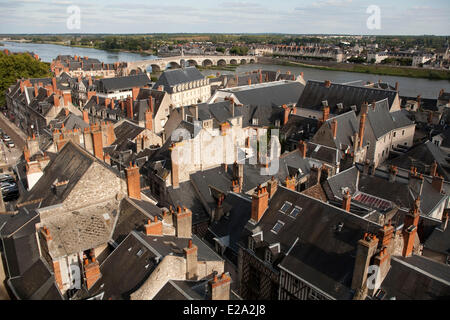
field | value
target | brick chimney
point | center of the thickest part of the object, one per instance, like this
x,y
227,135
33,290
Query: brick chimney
x,y
133,182
438,183
303,148
238,173
366,249
249,81
415,181
135,93
362,127
347,201
386,234
154,228
410,225
396,86
314,176
190,252
290,183
286,114
235,187
130,113
433,169
91,272
219,287
56,102
86,117
334,128
183,223
272,186
54,87
149,120
260,202
326,113
97,141
36,90
161,88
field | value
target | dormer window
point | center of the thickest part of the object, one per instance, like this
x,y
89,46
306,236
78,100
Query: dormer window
x,y
277,227
255,121
277,123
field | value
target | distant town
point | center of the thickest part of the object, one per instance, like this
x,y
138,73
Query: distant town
x,y
175,175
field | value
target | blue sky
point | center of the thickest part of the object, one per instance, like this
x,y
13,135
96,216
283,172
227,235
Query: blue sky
x,y
226,16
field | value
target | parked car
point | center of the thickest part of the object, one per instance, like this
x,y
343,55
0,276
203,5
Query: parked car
x,y
10,144
10,191
6,138
7,178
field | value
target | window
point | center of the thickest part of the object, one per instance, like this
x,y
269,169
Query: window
x,y
395,133
255,121
285,207
403,132
277,227
268,256
140,252
251,243
295,212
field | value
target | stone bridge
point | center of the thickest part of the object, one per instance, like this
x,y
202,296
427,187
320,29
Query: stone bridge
x,y
162,64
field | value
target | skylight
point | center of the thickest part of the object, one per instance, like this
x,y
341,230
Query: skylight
x,y
285,207
295,212
277,227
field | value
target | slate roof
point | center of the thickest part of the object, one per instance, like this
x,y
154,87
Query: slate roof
x,y
315,92
422,157
274,94
170,78
310,245
70,165
125,133
382,121
417,278
122,83
439,241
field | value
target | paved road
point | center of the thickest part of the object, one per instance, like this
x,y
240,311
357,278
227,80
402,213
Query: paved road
x,y
13,131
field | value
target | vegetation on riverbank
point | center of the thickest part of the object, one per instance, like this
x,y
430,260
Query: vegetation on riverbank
x,y
228,67
374,69
17,66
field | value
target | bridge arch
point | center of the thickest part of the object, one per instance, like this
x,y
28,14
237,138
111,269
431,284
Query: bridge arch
x,y
252,60
221,62
192,63
233,61
155,68
243,61
173,65
207,63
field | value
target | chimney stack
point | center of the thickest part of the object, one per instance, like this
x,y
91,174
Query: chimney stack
x,y
362,127
438,183
97,141
260,202
130,113
183,223
326,113
393,171
410,225
286,114
396,86
154,228
303,147
272,186
135,93
190,253
175,166
290,183
433,170
91,271
133,182
54,84
365,251
334,128
347,201
219,287
149,120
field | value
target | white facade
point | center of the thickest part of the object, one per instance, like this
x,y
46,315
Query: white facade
x,y
189,93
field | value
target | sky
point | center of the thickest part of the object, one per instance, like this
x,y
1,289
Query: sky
x,y
399,17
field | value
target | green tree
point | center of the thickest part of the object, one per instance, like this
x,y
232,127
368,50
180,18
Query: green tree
x,y
17,66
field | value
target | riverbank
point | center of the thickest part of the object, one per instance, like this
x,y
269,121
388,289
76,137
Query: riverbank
x,y
368,69
219,68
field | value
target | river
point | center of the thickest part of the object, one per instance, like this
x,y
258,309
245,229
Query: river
x,y
407,86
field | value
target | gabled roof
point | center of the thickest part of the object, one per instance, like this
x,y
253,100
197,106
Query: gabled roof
x,y
311,246
69,165
382,121
315,92
173,77
273,94
121,83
